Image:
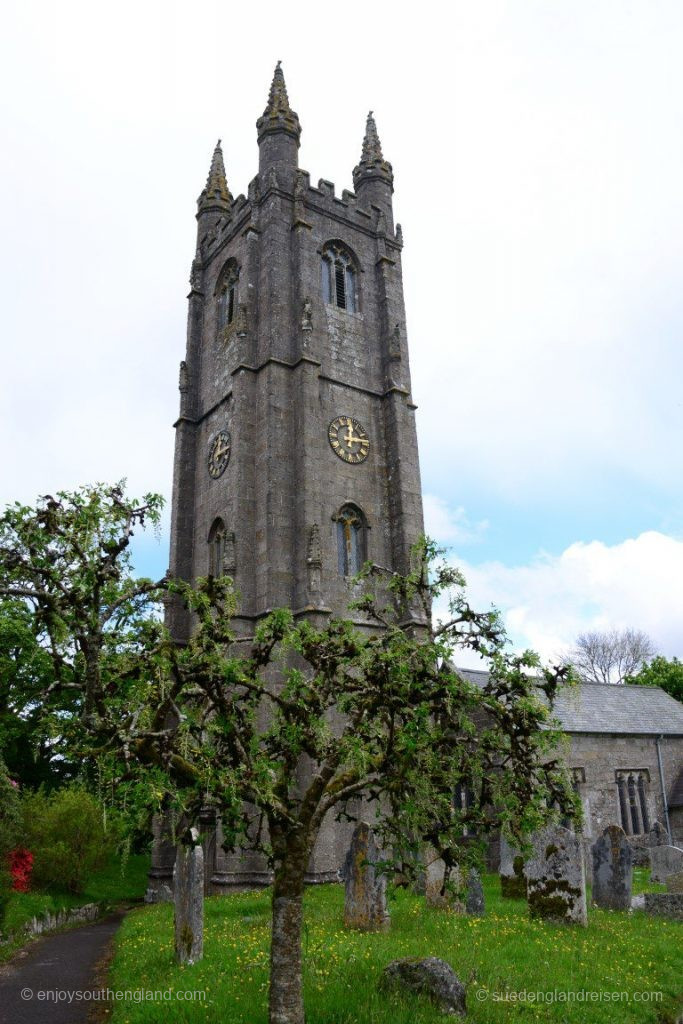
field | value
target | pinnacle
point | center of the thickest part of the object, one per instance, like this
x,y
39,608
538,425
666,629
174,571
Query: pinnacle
x,y
278,100
278,113
216,191
372,147
372,163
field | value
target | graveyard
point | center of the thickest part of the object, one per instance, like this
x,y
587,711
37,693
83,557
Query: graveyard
x,y
512,966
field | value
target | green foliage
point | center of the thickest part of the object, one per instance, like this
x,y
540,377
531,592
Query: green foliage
x,y
668,674
111,884
29,743
66,833
75,626
10,821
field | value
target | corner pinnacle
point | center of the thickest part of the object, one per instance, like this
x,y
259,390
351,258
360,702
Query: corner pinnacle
x,y
278,114
372,162
216,191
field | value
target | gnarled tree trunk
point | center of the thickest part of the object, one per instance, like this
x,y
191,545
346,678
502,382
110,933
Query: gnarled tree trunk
x,y
286,984
188,894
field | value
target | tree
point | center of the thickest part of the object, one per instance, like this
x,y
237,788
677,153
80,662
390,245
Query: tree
x,y
309,720
608,657
33,751
280,729
68,562
664,673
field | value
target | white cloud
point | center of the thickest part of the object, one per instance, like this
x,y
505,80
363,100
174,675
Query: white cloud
x,y
549,601
448,525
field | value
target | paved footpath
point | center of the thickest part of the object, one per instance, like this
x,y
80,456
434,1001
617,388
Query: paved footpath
x,y
65,962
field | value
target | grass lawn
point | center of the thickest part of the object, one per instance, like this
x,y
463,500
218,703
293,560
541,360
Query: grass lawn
x,y
107,885
501,953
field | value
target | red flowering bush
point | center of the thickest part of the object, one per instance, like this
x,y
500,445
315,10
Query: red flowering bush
x,y
20,867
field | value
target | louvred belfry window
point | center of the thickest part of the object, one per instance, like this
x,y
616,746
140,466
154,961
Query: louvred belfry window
x,y
216,547
226,294
339,278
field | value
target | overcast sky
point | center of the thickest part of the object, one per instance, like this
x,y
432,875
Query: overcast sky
x,y
538,158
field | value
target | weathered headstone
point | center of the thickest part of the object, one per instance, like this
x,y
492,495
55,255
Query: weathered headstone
x,y
658,836
188,894
664,904
512,878
365,905
474,898
665,860
430,977
556,881
441,892
674,882
612,869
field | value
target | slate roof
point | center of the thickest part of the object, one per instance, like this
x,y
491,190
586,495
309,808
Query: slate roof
x,y
601,708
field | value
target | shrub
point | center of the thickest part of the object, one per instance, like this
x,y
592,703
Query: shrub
x,y
10,820
66,833
20,867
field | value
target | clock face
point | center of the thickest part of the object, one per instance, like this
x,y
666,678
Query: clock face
x,y
219,453
348,439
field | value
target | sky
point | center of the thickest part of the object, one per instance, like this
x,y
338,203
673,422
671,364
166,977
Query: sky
x,y
538,158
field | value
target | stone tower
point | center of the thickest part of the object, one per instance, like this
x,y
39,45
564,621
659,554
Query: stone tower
x,y
296,452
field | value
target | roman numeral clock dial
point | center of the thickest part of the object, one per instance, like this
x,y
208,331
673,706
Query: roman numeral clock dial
x,y
348,439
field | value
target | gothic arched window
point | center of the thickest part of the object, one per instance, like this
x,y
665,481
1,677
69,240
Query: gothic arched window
x,y
351,540
216,547
339,277
226,294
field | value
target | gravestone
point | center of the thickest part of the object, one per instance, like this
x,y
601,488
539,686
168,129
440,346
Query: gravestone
x,y
658,836
439,895
188,895
612,869
674,882
556,881
474,898
665,860
664,904
430,977
365,904
512,878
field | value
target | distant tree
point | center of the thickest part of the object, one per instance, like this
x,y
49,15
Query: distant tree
x,y
610,656
31,746
664,673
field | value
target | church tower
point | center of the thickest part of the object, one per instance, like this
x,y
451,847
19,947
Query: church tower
x,y
296,452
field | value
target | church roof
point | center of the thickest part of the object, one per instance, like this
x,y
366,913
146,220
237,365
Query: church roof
x,y
601,708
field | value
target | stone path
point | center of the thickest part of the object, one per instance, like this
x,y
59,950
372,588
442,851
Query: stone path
x,y
66,962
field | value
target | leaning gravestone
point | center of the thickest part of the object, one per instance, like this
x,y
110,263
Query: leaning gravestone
x,y
188,894
512,879
556,878
612,870
665,860
430,977
365,905
438,893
